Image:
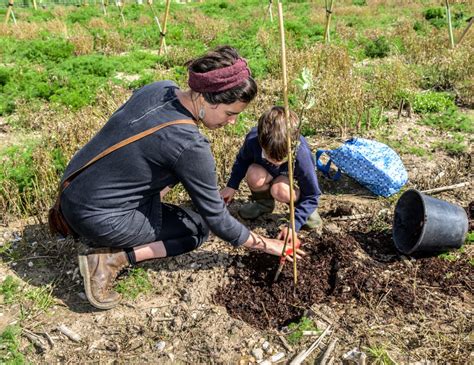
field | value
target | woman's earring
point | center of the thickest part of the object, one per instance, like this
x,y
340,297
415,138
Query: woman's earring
x,y
202,113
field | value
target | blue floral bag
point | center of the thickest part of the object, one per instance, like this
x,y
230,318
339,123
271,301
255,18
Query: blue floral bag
x,y
373,164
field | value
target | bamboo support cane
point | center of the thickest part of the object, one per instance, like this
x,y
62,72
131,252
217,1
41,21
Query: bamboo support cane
x,y
104,9
450,26
157,20
270,5
34,5
10,12
121,6
327,37
163,33
288,127
466,30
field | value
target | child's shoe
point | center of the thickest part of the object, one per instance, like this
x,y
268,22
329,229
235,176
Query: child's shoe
x,y
314,221
263,202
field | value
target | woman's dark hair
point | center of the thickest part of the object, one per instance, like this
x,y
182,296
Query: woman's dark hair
x,y
222,57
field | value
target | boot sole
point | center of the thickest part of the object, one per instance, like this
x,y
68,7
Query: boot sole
x,y
84,269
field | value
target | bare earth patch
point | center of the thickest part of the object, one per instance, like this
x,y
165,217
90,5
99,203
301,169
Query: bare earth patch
x,y
219,304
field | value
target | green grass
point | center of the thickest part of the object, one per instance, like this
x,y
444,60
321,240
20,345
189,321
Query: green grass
x,y
135,283
450,120
10,289
453,255
297,328
379,356
432,102
17,165
470,238
41,297
10,346
31,301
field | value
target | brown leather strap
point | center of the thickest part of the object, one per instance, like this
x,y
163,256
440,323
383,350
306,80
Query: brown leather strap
x,y
116,146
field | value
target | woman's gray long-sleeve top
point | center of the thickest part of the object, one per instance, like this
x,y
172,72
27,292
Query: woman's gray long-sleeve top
x,y
134,175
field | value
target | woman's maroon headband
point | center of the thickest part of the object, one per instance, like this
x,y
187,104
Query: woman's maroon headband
x,y
221,79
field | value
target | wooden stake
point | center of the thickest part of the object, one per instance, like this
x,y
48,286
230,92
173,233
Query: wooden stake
x,y
34,5
163,33
104,8
270,5
121,6
450,26
288,128
329,4
466,30
157,21
10,12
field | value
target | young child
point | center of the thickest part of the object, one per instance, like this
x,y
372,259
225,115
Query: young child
x,y
262,160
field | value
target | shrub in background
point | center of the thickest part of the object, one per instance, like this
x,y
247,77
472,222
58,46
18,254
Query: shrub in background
x,y
377,48
432,102
337,90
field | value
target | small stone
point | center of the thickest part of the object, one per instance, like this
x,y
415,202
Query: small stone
x,y
257,353
82,295
277,357
177,322
30,264
153,311
266,346
160,346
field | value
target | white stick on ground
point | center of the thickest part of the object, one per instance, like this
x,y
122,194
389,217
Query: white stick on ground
x,y
305,353
446,188
69,333
328,352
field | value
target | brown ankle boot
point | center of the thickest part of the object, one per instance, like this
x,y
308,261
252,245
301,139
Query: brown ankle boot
x,y
99,270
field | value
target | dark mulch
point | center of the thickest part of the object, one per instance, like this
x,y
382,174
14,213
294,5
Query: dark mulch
x,y
361,267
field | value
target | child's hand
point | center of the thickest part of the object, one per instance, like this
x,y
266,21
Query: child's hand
x,y
282,236
228,195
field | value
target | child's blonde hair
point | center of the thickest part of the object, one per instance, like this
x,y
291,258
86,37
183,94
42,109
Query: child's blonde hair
x,y
272,132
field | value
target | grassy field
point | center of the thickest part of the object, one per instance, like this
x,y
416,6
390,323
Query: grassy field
x,y
388,73
63,70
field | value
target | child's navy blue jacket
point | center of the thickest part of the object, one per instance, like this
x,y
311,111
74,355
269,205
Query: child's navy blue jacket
x,y
305,173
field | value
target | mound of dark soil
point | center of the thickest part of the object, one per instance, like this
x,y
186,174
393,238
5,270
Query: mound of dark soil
x,y
358,267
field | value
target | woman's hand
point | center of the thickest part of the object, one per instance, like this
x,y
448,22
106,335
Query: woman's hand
x,y
228,195
270,246
284,232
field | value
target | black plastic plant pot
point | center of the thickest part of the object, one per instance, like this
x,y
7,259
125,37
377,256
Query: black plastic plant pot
x,y
423,224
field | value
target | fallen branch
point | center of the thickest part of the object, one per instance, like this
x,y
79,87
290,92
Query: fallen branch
x,y
50,340
361,216
69,333
352,217
35,339
446,188
328,352
305,353
163,319
285,343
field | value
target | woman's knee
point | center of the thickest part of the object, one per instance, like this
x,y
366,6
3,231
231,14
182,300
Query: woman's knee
x,y
257,176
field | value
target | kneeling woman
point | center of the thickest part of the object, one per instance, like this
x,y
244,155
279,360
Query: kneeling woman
x,y
115,203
